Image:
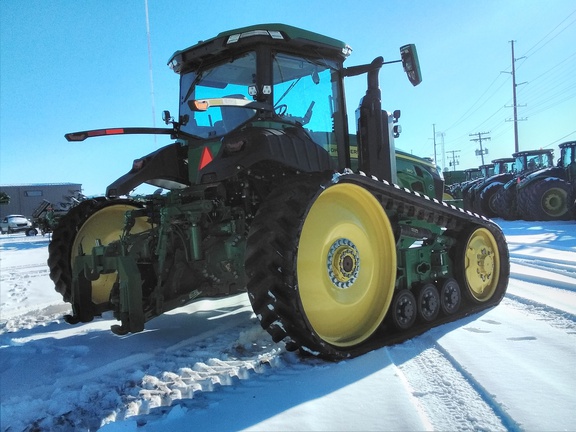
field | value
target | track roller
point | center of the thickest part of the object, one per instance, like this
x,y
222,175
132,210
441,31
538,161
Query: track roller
x,y
404,309
450,296
428,300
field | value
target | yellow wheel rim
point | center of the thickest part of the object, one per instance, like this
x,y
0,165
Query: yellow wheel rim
x,y
482,265
346,265
105,225
554,202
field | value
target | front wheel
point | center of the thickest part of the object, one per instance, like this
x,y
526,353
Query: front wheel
x,y
321,266
545,200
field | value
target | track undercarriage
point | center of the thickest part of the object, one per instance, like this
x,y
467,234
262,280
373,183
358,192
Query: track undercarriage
x,y
334,266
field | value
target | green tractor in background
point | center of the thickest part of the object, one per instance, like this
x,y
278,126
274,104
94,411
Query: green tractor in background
x,y
468,197
539,190
549,193
481,193
342,244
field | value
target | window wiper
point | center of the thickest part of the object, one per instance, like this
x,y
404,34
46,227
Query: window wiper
x,y
192,86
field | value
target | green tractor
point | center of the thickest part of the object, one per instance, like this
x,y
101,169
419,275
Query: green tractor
x,y
504,203
549,193
483,191
342,244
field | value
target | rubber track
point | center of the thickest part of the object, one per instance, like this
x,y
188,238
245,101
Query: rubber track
x,y
271,261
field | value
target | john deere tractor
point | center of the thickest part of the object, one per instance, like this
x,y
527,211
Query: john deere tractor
x,y
504,203
482,192
549,193
342,244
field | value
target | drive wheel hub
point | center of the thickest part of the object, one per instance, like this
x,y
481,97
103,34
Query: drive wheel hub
x,y
343,263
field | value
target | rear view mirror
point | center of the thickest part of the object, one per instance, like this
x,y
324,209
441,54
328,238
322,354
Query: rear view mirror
x,y
411,64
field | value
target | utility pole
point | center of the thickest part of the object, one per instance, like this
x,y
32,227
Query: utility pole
x,y
482,151
442,151
514,101
455,160
434,138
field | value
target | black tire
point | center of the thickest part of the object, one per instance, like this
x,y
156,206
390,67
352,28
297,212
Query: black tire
x,y
504,203
30,232
300,279
545,200
487,197
466,201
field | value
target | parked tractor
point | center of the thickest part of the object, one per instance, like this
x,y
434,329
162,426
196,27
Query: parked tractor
x,y
549,193
342,244
482,192
505,202
456,189
468,197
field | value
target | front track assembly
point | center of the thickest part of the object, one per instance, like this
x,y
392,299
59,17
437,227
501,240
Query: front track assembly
x,y
470,250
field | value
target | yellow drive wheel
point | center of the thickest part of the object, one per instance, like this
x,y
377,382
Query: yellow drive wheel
x,y
346,265
106,225
481,265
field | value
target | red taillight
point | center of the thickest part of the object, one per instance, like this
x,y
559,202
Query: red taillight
x,y
206,158
101,132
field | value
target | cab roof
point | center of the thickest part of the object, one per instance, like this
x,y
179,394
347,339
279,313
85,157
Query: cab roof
x,y
283,36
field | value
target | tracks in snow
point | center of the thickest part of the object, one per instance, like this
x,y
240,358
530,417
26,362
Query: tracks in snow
x,y
449,388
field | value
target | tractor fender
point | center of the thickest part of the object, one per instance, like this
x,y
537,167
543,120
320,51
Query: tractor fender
x,y
165,168
557,172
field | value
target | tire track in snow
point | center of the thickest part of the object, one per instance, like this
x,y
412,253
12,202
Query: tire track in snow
x,y
446,393
137,384
543,312
14,273
565,267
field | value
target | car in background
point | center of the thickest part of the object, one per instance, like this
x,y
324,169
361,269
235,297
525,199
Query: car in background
x,y
17,223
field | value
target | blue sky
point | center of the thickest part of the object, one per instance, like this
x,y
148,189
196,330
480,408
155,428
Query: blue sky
x,y
74,65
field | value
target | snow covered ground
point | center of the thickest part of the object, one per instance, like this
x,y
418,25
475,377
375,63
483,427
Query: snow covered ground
x,y
209,366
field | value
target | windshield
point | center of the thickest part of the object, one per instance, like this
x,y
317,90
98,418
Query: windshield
x,y
534,162
302,92
568,156
231,79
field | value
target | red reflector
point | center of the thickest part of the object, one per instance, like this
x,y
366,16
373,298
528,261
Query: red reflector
x,y
114,131
101,132
206,158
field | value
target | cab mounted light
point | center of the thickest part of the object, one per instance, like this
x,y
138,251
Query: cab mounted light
x,y
274,34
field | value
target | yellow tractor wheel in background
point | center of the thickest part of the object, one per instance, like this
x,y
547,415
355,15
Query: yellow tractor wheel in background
x,y
104,225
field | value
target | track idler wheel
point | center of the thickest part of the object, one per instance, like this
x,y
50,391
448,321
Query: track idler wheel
x,y
428,301
481,265
404,309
